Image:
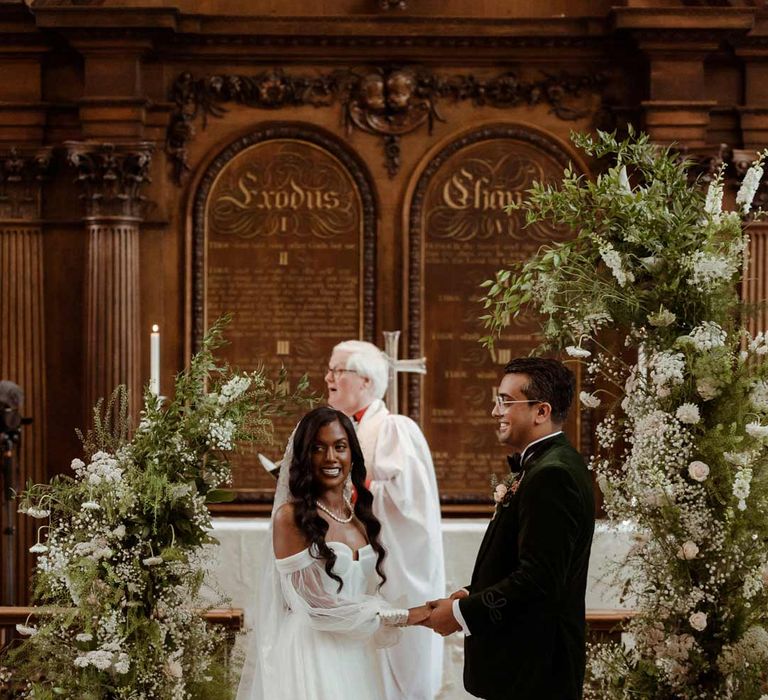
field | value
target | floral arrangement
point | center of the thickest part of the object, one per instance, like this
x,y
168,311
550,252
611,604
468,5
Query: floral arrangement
x,y
645,296
121,544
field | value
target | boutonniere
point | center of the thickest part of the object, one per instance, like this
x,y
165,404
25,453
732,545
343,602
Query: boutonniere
x,y
504,490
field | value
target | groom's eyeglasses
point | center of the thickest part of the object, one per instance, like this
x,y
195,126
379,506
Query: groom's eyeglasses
x,y
501,403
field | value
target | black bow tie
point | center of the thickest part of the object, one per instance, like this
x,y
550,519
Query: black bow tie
x,y
515,462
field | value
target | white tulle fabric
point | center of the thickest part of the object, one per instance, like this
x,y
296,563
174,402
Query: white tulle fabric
x,y
312,641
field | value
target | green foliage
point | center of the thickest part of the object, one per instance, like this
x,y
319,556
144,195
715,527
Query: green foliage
x,y
122,556
646,293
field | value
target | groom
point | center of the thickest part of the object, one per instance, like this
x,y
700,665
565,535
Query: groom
x,y
523,613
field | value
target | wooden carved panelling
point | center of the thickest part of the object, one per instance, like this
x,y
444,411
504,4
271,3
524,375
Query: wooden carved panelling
x,y
285,242
459,236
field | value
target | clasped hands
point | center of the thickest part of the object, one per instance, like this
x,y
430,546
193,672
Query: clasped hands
x,y
437,614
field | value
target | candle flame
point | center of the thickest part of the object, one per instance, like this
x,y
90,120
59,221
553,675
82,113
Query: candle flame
x,y
155,328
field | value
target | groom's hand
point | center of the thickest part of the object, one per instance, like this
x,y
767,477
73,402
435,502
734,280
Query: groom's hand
x,y
442,620
458,595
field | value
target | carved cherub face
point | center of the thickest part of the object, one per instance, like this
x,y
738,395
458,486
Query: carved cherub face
x,y
372,89
400,87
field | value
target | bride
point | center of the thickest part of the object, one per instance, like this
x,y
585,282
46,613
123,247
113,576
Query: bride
x,y
320,616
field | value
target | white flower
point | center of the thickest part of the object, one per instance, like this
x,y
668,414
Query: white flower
x,y
759,397
119,531
234,388
38,548
698,621
173,668
612,260
689,550
152,561
39,513
756,430
90,505
698,470
26,630
741,486
573,351
740,459
713,204
708,335
499,492
123,664
707,388
77,465
84,637
667,368
99,658
220,434
749,187
708,270
662,318
688,413
589,400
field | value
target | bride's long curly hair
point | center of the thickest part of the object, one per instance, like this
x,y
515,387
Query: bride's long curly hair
x,y
305,492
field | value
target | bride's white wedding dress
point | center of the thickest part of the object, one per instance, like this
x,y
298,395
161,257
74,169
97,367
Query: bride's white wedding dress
x,y
322,643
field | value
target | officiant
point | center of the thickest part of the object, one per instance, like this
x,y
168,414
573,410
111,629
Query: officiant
x,y
406,502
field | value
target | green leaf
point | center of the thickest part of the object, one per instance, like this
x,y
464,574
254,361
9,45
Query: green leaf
x,y
220,496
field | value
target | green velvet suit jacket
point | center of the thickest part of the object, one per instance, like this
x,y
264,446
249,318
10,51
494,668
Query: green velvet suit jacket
x,y
526,609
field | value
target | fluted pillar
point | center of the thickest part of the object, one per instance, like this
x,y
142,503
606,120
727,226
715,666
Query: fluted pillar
x,y
111,177
22,332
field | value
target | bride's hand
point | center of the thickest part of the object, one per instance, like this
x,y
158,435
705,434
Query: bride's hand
x,y
418,615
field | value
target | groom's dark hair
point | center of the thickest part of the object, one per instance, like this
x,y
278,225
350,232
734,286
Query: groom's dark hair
x,y
548,380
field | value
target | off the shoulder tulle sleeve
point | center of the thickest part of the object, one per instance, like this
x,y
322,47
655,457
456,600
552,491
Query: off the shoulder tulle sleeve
x,y
309,591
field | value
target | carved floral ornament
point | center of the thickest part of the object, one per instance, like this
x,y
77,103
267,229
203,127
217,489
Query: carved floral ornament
x,y
22,172
386,101
111,176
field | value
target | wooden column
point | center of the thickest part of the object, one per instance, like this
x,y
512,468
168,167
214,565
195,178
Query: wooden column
x,y
111,177
677,42
22,331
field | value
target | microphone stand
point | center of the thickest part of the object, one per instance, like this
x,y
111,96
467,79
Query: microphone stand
x,y
9,583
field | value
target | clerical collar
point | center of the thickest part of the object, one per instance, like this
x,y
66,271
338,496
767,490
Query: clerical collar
x,y
517,460
357,417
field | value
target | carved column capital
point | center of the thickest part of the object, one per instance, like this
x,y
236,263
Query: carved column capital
x,y
111,177
22,172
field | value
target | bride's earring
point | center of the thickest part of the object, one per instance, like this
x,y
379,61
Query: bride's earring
x,y
348,488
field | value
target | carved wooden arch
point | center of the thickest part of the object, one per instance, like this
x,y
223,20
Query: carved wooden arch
x,y
550,146
300,132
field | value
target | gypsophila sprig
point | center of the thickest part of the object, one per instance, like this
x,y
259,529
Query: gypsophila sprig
x,y
121,561
682,453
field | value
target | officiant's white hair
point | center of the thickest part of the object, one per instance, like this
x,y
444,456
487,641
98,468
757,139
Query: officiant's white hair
x,y
368,361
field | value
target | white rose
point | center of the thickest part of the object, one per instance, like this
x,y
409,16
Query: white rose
x,y
698,470
688,551
698,621
589,400
499,493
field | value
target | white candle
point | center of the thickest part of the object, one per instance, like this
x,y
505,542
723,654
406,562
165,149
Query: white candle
x,y
154,360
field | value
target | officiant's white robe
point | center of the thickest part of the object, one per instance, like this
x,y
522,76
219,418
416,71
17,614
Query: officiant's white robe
x,y
406,502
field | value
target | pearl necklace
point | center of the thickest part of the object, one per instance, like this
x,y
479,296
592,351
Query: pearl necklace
x,y
333,515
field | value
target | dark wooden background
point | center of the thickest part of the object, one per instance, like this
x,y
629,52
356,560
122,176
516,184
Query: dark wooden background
x,y
115,118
